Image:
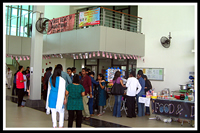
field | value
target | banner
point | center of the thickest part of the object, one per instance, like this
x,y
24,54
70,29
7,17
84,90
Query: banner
x,y
173,108
90,17
61,24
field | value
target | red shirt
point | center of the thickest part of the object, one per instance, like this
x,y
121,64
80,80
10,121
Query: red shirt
x,y
86,83
19,76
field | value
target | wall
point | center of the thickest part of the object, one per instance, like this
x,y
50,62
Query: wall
x,y
56,11
54,61
177,60
97,38
17,45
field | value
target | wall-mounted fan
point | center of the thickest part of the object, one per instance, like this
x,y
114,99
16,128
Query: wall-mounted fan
x,y
28,29
165,41
42,25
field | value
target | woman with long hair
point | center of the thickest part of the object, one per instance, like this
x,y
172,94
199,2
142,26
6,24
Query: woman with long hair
x,y
55,97
75,101
102,93
118,98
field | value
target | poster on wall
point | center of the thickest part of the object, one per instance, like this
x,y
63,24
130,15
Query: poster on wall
x,y
61,24
111,73
90,17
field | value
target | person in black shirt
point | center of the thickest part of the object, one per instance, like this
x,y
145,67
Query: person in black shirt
x,y
147,87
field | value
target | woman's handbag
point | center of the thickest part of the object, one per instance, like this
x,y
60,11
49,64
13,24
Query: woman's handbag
x,y
117,89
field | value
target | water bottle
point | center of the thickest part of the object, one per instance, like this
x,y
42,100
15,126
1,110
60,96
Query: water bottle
x,y
89,96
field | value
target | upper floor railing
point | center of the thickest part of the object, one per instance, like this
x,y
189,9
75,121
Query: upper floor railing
x,y
115,19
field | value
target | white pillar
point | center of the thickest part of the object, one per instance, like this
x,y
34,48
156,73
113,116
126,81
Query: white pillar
x,y
36,56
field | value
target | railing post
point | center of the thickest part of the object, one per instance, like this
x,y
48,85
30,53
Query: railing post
x,y
104,16
122,22
140,27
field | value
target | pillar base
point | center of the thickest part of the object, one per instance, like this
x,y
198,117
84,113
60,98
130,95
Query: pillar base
x,y
35,103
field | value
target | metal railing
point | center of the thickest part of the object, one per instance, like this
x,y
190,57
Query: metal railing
x,y
15,63
115,19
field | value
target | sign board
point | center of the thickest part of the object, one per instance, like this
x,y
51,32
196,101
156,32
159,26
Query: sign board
x,y
61,24
173,108
90,17
153,73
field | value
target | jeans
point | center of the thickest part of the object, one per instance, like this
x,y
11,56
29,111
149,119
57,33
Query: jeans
x,y
140,105
117,106
91,105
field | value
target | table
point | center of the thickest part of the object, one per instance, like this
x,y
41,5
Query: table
x,y
174,108
108,105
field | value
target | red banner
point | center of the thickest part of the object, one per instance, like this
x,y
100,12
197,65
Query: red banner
x,y
61,24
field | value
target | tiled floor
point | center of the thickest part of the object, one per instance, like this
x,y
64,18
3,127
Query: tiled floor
x,y
31,118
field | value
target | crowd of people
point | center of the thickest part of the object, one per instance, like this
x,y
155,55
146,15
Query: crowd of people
x,y
78,95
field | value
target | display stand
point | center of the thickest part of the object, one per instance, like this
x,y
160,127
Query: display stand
x,y
108,104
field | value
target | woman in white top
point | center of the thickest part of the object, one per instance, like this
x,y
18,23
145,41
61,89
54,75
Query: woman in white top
x,y
133,88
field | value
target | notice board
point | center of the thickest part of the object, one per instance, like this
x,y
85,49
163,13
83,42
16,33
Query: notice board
x,y
153,73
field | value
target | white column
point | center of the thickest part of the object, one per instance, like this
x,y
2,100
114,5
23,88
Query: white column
x,y
36,56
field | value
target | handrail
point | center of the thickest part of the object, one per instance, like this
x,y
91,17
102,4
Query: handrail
x,y
120,12
16,61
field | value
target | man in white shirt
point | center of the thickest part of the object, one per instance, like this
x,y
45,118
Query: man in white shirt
x,y
132,85
9,77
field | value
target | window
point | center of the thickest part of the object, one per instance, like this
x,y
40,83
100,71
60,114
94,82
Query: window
x,y
17,17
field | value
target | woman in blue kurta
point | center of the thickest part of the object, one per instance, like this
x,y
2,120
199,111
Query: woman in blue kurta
x,y
102,93
55,97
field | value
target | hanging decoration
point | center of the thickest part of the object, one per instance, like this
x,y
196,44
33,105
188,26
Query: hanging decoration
x,y
98,53
46,57
123,56
127,56
134,56
93,54
11,57
130,56
83,56
77,56
110,56
103,54
90,55
60,56
115,56
86,55
80,55
24,58
20,57
27,57
74,56
16,57
107,56
120,56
